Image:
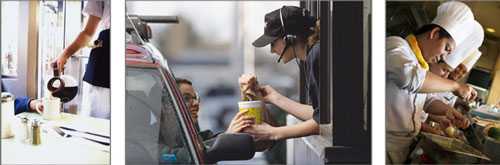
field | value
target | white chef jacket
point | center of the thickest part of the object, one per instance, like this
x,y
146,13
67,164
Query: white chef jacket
x,y
101,9
404,106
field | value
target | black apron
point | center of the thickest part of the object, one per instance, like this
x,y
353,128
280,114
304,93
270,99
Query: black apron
x,y
98,69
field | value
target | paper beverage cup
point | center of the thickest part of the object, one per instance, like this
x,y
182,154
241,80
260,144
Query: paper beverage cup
x,y
254,108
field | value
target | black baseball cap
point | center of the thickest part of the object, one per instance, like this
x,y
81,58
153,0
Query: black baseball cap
x,y
296,21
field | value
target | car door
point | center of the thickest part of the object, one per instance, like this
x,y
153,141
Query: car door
x,y
156,127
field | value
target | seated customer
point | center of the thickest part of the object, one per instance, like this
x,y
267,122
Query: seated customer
x,y
25,104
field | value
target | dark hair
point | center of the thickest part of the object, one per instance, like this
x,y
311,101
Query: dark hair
x,y
442,32
180,81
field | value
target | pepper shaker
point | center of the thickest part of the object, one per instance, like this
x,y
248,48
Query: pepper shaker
x,y
35,127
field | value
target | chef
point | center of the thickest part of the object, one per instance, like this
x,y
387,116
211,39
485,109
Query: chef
x,y
96,92
451,64
408,79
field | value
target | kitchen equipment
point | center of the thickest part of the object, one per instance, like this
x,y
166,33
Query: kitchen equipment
x,y
487,112
454,145
63,86
7,114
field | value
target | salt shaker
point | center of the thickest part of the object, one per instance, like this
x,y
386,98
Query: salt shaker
x,y
25,130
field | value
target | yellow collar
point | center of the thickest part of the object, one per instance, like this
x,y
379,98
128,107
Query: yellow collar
x,y
412,40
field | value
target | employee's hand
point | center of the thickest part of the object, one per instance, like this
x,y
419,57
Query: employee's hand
x,y
36,105
443,121
248,84
269,95
60,62
460,121
240,122
427,128
465,92
262,131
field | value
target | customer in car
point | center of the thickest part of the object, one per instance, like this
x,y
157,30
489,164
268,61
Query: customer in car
x,y
192,100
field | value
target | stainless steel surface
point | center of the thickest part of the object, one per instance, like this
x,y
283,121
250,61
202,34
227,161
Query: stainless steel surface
x,y
455,145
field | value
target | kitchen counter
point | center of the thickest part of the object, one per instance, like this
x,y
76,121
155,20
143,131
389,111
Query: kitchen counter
x,y
56,149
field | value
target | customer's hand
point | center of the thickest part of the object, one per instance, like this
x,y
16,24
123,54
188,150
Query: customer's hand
x,y
240,122
262,131
36,106
269,95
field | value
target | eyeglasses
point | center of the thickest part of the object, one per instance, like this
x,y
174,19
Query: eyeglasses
x,y
189,99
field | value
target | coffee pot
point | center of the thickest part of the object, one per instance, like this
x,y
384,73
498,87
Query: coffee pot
x,y
62,86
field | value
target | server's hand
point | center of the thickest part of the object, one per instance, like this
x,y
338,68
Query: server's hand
x,y
269,95
60,62
36,106
262,131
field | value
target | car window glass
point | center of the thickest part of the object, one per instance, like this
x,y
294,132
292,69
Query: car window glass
x,y
153,131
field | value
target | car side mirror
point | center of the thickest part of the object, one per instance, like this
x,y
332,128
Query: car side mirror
x,y
238,146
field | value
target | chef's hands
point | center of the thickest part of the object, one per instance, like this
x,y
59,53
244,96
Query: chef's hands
x,y
465,92
240,122
36,106
457,119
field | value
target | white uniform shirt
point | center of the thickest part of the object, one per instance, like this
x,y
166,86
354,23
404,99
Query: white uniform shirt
x,y
404,106
101,9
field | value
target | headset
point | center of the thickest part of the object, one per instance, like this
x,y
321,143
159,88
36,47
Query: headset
x,y
289,38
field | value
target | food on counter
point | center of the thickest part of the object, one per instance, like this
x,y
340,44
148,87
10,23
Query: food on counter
x,y
450,131
494,132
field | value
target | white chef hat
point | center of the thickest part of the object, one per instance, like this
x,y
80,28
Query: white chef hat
x,y
474,40
454,17
472,59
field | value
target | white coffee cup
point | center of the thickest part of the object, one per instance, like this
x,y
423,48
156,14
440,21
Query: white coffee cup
x,y
51,108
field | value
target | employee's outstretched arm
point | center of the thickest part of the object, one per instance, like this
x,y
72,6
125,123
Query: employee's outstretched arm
x,y
436,84
301,111
81,40
265,131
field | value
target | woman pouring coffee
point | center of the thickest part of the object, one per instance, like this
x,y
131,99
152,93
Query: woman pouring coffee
x,y
293,34
96,92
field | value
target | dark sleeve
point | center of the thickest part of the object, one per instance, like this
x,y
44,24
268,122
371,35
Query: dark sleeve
x,y
313,82
21,105
316,115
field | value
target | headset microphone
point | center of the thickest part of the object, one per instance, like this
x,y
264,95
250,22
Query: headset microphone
x,y
283,52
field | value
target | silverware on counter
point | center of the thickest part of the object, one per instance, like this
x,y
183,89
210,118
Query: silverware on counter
x,y
66,135
90,133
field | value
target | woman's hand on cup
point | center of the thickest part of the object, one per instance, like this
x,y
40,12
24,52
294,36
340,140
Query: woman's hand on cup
x,y
36,105
240,122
